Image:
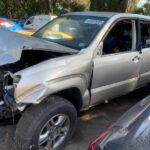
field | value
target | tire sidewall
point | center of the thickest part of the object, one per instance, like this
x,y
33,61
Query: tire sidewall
x,y
62,108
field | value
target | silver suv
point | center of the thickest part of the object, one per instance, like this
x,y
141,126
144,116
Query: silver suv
x,y
74,62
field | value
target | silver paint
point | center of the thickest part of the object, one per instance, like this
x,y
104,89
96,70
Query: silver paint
x,y
113,75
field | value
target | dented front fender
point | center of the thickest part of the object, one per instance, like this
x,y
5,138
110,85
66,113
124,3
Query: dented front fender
x,y
52,76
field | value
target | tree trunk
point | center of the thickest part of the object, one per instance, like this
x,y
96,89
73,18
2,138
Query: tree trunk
x,y
48,6
113,5
98,5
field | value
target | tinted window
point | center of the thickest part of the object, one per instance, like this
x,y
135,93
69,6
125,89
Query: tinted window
x,y
74,31
119,39
145,34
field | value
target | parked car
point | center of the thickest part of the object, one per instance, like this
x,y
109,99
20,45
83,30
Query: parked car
x,y
49,77
130,132
36,22
9,25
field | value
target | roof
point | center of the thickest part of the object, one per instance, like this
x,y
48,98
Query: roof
x,y
93,13
108,14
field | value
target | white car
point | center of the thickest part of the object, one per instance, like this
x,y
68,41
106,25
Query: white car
x,y
36,22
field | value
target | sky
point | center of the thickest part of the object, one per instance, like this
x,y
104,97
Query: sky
x,y
142,2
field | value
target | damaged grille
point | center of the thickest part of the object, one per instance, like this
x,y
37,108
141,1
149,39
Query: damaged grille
x,y
1,90
7,102
7,89
1,84
5,111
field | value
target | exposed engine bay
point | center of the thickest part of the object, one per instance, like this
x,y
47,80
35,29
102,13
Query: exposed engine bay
x,y
19,52
8,80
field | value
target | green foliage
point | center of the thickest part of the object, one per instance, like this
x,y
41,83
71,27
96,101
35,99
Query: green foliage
x,y
145,9
65,6
26,8
114,5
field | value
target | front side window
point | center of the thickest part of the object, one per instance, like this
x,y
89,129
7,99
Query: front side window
x,y
119,39
74,31
145,34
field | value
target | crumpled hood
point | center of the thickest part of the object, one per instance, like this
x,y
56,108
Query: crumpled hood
x,y
12,44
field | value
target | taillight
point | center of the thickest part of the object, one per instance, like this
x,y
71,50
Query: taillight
x,y
95,145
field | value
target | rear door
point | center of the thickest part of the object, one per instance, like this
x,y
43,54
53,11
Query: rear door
x,y
145,55
116,70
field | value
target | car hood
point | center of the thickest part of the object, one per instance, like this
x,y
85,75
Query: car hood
x,y
12,44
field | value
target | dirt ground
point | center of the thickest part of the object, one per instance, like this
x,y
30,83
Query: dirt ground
x,y
90,123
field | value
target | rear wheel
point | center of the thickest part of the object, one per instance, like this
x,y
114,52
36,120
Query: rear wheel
x,y
47,126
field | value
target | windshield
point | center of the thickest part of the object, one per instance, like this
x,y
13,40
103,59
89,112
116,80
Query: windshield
x,y
73,31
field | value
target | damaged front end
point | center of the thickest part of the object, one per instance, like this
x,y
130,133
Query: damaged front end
x,y
10,80
8,104
18,53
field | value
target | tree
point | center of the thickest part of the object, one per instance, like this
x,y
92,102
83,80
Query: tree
x,y
129,5
114,5
145,9
26,8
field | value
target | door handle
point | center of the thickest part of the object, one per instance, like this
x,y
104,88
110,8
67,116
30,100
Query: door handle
x,y
136,59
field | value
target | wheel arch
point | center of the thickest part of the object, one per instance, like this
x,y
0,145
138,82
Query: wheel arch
x,y
73,95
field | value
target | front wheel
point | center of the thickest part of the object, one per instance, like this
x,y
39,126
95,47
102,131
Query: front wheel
x,y
47,126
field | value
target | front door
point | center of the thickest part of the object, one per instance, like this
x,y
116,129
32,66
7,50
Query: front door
x,y
116,70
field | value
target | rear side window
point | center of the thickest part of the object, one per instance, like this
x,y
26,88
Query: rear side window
x,y
145,34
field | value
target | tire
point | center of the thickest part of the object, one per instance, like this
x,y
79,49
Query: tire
x,y
42,120
148,89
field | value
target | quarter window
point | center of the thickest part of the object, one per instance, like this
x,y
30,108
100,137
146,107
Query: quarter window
x,y
145,34
119,39
30,21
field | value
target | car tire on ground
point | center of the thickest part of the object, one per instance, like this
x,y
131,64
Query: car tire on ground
x,y
47,126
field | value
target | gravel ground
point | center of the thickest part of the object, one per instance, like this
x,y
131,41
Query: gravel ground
x,y
90,123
